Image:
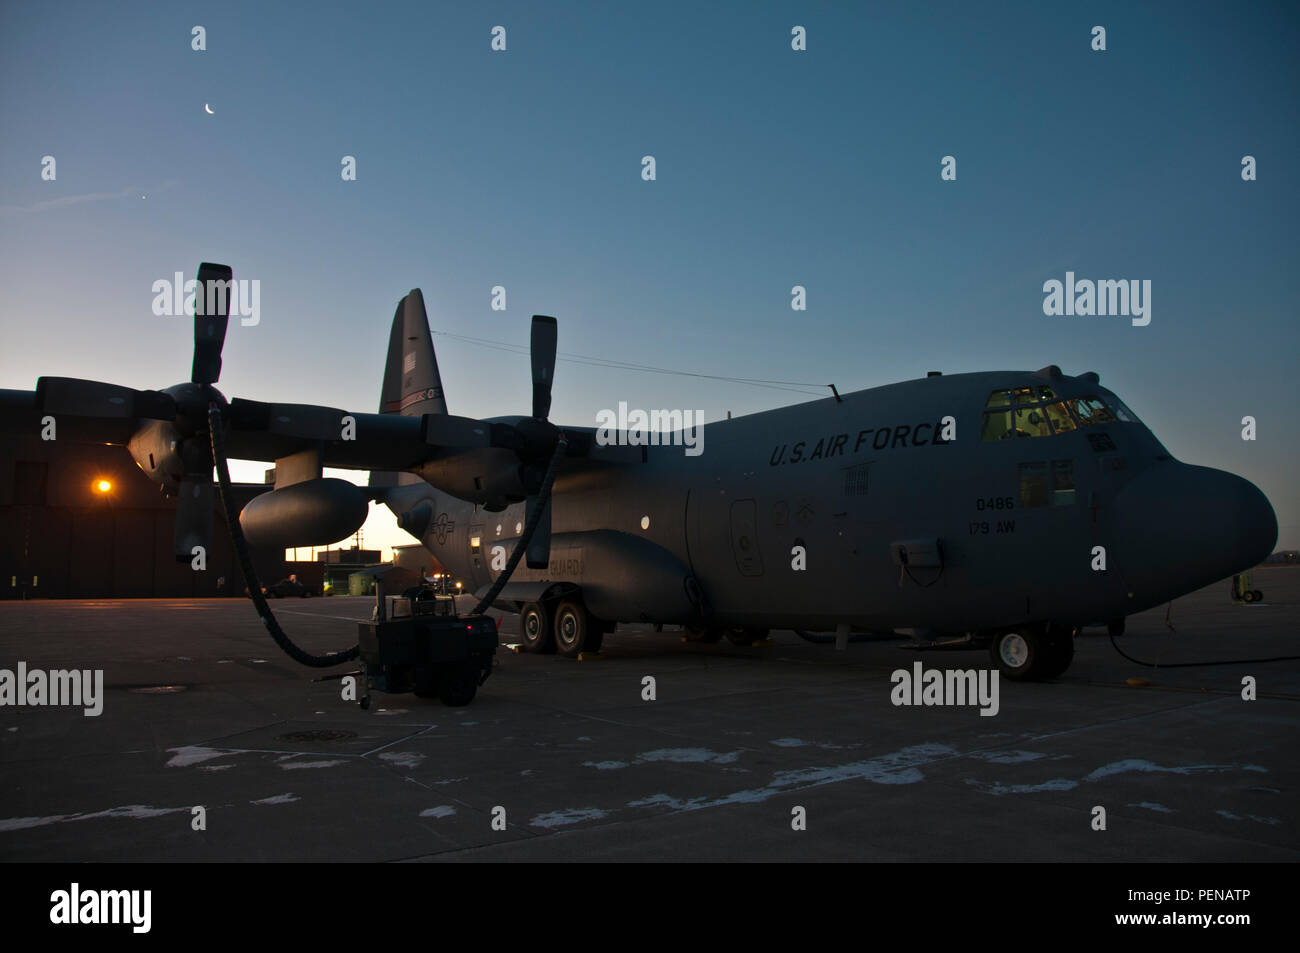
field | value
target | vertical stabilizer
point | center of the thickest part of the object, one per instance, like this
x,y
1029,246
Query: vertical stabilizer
x,y
412,385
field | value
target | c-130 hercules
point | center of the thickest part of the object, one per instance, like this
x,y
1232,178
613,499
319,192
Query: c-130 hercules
x,y
1009,506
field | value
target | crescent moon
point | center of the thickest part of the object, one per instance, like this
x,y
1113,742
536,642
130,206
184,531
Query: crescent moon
x,y
208,109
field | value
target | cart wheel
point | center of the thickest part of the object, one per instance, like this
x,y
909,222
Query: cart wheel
x,y
1248,595
458,683
1258,594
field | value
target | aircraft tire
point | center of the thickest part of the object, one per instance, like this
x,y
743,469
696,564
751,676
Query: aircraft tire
x,y
1060,652
575,630
1021,653
696,633
536,628
1248,595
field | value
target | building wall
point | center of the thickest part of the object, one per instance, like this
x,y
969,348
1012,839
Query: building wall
x,y
60,539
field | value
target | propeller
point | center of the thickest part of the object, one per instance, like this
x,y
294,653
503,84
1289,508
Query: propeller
x,y
542,436
194,500
211,316
183,439
541,349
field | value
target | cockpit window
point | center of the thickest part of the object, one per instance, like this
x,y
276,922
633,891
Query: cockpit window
x,y
997,425
999,398
1060,417
1031,422
1037,411
1091,410
1123,413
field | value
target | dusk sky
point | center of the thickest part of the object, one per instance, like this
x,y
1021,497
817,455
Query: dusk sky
x,y
774,168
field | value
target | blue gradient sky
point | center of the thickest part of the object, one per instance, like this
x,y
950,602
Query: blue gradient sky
x,y
775,168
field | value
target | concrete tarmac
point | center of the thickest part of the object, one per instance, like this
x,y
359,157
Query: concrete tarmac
x,y
201,709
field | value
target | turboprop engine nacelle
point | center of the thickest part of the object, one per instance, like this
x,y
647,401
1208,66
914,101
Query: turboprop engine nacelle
x,y
315,513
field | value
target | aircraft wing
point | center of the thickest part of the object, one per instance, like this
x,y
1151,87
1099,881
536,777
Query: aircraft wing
x,y
255,430
20,414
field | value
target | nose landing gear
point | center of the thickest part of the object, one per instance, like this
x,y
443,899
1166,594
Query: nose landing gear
x,y
1032,652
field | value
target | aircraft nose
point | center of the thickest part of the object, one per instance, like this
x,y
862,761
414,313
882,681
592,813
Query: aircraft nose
x,y
1180,527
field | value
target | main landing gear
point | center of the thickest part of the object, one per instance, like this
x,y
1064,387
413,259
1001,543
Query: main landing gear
x,y
1032,652
565,627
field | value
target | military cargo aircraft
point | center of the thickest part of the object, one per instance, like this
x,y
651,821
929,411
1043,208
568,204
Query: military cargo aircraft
x,y
1005,508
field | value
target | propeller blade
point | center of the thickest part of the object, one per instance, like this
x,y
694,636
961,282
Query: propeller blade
x,y
538,553
81,398
542,350
194,503
211,315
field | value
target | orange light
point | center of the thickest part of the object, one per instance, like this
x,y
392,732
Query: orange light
x,y
103,486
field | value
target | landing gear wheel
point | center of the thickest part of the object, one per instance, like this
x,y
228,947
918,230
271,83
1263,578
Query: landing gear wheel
x,y
1248,595
458,683
696,633
1020,653
1060,652
535,629
1259,596
575,630
746,636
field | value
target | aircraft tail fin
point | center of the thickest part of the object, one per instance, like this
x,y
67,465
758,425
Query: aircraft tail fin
x,y
412,385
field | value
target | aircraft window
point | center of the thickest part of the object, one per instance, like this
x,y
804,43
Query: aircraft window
x,y
1033,484
1060,417
1025,395
1091,410
1044,483
1046,393
1062,482
999,398
1031,422
997,426
1123,413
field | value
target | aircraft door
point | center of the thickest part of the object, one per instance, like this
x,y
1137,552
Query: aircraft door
x,y
744,538
478,552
